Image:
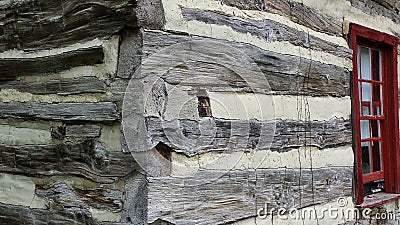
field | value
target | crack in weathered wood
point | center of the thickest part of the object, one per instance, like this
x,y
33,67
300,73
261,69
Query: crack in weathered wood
x,y
12,215
88,159
267,30
219,197
286,74
33,25
66,196
102,111
62,86
295,11
224,135
15,67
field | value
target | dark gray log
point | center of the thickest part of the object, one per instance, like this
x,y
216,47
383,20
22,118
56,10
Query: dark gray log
x,y
61,86
12,214
86,131
267,30
285,74
88,159
151,14
386,8
32,25
102,111
222,135
295,11
386,3
215,197
62,195
135,202
130,52
14,67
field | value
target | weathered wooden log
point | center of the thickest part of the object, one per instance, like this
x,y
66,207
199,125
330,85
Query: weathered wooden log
x,y
285,74
60,193
12,214
386,8
32,25
88,159
223,135
267,30
14,67
295,11
102,111
130,52
216,197
386,3
86,131
63,86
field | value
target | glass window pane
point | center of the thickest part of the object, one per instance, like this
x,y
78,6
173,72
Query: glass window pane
x,y
376,128
365,63
366,92
366,163
377,99
365,110
377,155
375,65
364,127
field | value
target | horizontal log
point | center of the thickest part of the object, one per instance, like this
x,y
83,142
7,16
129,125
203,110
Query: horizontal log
x,y
213,197
267,30
62,86
87,131
12,214
386,8
102,111
61,194
13,67
33,25
223,135
88,159
295,11
285,74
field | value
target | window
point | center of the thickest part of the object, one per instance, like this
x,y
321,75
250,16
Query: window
x,y
375,112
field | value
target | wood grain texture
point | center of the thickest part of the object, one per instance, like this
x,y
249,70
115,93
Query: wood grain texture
x,y
14,67
285,74
88,159
266,29
295,11
102,111
62,86
223,135
11,215
130,52
63,195
33,25
85,131
214,197
386,8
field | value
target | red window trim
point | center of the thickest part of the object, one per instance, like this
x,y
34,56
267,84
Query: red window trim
x,y
372,38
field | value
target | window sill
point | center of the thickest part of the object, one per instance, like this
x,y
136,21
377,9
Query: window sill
x,y
378,199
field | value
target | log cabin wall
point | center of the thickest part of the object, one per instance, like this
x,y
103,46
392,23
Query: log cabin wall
x,y
62,157
302,49
64,69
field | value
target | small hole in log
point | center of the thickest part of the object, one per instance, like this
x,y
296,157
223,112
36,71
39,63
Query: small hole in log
x,y
164,150
204,106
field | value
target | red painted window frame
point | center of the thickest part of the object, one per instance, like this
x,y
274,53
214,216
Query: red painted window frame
x,y
388,45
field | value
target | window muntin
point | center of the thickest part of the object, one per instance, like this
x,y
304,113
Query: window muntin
x,y
370,85
375,112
